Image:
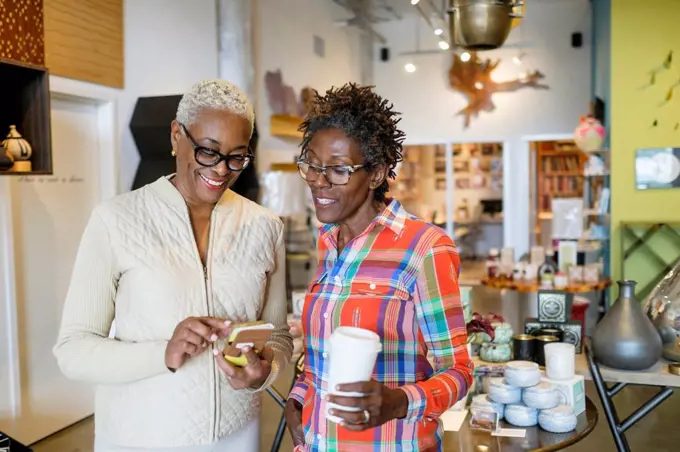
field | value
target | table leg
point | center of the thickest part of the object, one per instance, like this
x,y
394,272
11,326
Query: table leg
x,y
616,426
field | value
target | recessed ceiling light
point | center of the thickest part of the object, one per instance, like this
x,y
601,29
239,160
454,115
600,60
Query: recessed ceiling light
x,y
438,31
414,2
465,56
410,67
443,45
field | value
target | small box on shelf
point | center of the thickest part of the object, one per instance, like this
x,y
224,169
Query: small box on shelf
x,y
26,105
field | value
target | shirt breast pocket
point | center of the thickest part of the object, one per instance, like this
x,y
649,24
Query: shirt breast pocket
x,y
383,307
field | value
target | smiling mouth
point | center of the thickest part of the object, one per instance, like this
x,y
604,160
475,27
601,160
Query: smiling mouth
x,y
212,183
324,201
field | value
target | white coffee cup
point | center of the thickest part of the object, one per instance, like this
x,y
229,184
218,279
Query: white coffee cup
x,y
560,360
353,352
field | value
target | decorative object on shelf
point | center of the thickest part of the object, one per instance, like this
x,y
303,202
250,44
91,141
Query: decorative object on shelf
x,y
625,338
657,168
26,105
495,353
662,306
6,159
541,342
472,78
20,149
287,111
482,24
590,134
554,306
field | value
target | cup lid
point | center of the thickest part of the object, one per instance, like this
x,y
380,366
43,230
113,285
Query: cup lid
x,y
499,382
522,366
520,408
541,388
560,411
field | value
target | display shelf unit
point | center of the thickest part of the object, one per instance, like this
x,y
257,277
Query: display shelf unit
x,y
26,104
534,287
559,167
285,126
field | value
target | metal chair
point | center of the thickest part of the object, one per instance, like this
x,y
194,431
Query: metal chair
x,y
281,401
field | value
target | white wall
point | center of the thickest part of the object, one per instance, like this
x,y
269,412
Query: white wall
x,y
284,40
169,45
429,106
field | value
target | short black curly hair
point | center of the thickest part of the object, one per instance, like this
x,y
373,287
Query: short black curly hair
x,y
364,117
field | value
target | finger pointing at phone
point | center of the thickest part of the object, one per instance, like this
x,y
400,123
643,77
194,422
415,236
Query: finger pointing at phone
x,y
253,374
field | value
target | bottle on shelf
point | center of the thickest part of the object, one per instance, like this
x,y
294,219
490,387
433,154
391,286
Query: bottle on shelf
x,y
493,264
547,271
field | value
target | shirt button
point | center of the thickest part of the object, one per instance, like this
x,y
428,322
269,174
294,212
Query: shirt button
x,y
372,286
319,436
336,279
325,354
325,315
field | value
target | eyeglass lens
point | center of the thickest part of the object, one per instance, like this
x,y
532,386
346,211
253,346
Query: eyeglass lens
x,y
336,175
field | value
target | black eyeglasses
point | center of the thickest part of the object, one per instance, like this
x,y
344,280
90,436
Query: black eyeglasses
x,y
334,174
208,157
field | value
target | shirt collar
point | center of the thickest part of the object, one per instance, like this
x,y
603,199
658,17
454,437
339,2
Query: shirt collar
x,y
393,217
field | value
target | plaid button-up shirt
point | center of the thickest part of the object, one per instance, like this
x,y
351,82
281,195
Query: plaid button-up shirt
x,y
398,278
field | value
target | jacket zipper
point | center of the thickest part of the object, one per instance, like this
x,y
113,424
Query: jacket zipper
x,y
211,312
208,298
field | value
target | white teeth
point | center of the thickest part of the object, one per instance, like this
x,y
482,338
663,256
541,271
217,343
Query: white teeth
x,y
325,201
214,183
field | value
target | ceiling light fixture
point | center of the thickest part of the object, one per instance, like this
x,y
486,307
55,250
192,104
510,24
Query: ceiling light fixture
x,y
443,45
414,2
438,31
465,56
410,67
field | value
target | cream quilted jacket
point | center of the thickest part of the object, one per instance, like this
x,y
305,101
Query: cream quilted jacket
x,y
138,263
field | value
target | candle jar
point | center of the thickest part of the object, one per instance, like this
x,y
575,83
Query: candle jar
x,y
543,396
501,392
523,347
521,415
522,374
560,419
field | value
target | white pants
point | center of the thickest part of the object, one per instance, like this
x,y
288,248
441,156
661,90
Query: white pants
x,y
245,440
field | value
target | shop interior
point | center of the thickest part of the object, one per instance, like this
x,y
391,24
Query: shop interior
x,y
552,162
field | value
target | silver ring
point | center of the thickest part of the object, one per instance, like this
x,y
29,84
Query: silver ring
x,y
367,417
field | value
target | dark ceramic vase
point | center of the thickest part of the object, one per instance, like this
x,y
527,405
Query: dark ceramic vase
x,y
625,338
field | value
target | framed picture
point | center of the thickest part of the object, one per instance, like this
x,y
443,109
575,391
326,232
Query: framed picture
x,y
657,168
554,306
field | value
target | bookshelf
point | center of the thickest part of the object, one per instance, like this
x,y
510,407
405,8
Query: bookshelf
x,y
559,172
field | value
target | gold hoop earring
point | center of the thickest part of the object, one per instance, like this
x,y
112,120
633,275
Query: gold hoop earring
x,y
173,153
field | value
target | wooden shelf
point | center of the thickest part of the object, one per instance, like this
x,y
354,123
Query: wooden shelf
x,y
26,104
285,126
533,286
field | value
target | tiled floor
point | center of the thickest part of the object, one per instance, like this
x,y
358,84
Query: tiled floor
x,y
657,432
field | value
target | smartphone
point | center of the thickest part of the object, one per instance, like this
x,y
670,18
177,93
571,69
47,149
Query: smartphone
x,y
250,334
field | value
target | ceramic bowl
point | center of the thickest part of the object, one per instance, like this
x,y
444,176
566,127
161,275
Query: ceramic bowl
x,y
495,353
501,392
543,396
522,374
521,416
560,419
502,332
483,402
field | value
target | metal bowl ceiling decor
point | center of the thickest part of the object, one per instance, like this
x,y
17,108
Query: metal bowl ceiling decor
x,y
477,25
